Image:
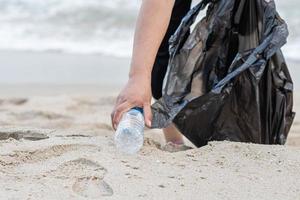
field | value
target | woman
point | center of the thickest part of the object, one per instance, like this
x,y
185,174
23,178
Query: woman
x,y
227,81
157,21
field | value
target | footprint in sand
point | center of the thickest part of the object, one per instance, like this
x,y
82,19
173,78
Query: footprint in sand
x,y
89,177
29,115
26,134
17,101
14,101
92,187
39,155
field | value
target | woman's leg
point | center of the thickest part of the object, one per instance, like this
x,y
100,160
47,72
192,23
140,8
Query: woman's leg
x,y
174,140
180,9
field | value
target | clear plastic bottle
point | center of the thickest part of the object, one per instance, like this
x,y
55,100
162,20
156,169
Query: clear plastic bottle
x,y
129,137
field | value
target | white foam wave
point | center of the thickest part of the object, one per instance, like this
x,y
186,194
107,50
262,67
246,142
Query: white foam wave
x,y
93,26
80,26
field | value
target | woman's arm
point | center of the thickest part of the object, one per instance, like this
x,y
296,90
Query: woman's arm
x,y
152,24
151,27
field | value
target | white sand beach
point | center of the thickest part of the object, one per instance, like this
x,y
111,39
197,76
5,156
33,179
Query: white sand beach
x,y
63,63
61,147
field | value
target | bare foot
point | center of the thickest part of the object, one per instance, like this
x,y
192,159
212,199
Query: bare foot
x,y
173,135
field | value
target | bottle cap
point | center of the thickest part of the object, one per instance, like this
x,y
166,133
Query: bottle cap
x,y
139,109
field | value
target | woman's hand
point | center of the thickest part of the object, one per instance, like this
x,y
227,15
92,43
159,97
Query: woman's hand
x,y
136,93
152,24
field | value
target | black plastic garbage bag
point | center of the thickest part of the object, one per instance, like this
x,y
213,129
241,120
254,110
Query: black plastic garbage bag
x,y
229,79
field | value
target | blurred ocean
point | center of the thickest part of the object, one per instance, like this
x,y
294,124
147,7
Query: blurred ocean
x,y
93,26
76,26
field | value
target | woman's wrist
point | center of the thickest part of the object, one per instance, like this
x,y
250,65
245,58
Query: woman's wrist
x,y
140,74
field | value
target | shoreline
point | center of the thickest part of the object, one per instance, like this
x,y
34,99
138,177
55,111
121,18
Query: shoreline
x,y
19,67
58,68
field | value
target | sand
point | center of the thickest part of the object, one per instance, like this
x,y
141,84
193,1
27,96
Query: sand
x,y
61,147
56,142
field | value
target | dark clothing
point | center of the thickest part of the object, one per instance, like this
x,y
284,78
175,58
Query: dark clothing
x,y
180,9
229,81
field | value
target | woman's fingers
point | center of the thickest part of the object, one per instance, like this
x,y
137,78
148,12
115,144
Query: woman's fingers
x,y
148,114
118,113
